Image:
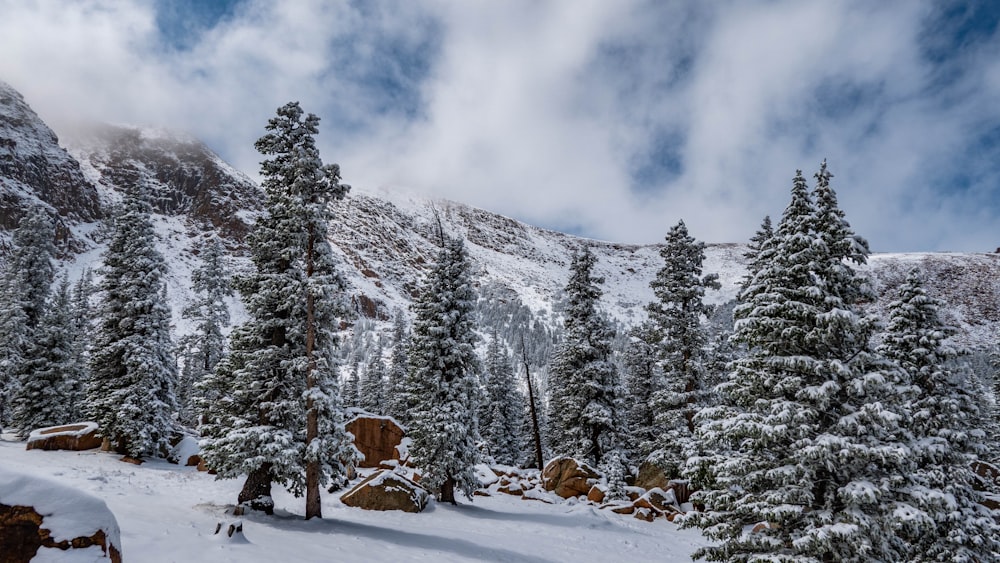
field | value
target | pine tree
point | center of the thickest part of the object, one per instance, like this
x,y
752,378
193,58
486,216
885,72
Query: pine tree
x,y
133,371
759,244
279,417
204,347
24,289
82,317
371,395
50,373
503,406
441,386
680,342
351,390
642,379
949,523
808,432
584,406
396,402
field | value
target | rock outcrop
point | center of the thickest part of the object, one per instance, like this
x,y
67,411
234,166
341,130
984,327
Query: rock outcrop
x,y
376,437
76,437
568,477
386,490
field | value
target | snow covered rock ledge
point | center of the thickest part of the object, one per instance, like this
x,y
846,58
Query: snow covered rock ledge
x,y
37,514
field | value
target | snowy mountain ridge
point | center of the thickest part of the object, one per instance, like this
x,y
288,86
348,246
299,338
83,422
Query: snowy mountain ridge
x,y
386,239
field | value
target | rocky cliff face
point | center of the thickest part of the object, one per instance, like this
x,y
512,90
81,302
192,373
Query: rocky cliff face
x,y
35,170
181,175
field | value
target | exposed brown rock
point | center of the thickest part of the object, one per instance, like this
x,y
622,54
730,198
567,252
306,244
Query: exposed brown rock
x,y
568,477
69,437
376,437
132,460
22,535
385,490
596,494
657,499
651,476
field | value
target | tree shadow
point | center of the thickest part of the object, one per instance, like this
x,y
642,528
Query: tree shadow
x,y
460,547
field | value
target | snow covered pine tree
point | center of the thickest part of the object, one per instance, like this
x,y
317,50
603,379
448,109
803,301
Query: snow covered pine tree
x,y
441,386
947,521
280,417
806,439
133,370
585,411
679,341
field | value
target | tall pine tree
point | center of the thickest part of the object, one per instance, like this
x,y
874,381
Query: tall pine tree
x,y
680,341
280,417
133,372
585,415
441,386
808,433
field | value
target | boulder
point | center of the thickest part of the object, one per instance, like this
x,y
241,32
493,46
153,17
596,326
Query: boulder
x,y
651,476
386,490
37,514
987,475
76,437
659,500
596,494
568,477
376,437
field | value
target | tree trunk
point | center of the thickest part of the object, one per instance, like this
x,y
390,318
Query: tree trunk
x,y
257,490
535,432
448,490
313,505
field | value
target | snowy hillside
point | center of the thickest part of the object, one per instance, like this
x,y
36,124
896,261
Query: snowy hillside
x,y
169,513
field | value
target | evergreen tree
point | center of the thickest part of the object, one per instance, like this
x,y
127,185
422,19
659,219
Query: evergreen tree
x,y
441,385
24,289
372,391
399,361
50,386
585,393
205,346
133,371
808,432
949,523
641,381
280,417
504,406
352,384
680,340
759,244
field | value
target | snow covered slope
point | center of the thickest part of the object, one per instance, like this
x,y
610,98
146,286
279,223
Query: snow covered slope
x,y
169,513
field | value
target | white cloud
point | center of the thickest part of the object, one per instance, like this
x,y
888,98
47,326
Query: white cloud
x,y
544,110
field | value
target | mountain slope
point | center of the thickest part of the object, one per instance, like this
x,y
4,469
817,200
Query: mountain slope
x,y
386,240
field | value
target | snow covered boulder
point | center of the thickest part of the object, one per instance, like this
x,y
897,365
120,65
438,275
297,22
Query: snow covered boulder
x,y
39,517
568,477
76,437
386,490
376,437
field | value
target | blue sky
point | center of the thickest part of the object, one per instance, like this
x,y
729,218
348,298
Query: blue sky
x,y
607,119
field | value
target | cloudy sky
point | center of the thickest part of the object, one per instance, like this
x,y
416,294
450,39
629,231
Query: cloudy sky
x,y
609,119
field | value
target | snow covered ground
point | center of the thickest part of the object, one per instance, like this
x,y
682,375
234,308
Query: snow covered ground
x,y
169,513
